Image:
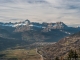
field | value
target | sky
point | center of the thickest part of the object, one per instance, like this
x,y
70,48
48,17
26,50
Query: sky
x,y
67,11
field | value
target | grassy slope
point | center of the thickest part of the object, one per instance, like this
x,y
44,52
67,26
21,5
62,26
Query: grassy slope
x,y
21,54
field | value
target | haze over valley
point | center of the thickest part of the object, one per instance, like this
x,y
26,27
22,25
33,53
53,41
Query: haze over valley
x,y
31,35
39,29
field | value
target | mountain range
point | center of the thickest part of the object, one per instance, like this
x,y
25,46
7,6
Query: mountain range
x,y
26,32
35,25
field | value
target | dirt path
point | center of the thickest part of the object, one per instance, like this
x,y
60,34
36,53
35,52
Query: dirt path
x,y
39,54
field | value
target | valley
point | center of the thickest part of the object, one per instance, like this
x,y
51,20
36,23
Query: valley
x,y
19,40
39,29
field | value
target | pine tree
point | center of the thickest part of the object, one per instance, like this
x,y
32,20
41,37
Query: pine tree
x,y
72,55
75,55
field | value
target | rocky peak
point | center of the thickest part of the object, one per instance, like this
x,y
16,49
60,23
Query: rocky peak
x,y
59,25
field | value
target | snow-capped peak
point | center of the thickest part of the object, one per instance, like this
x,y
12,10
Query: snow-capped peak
x,y
23,23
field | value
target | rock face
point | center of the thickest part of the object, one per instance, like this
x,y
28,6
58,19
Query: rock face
x,y
60,25
62,47
57,25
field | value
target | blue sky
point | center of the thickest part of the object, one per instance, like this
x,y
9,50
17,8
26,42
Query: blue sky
x,y
67,11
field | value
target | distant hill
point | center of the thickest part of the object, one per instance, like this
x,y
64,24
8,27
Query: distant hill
x,y
38,36
62,47
8,43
